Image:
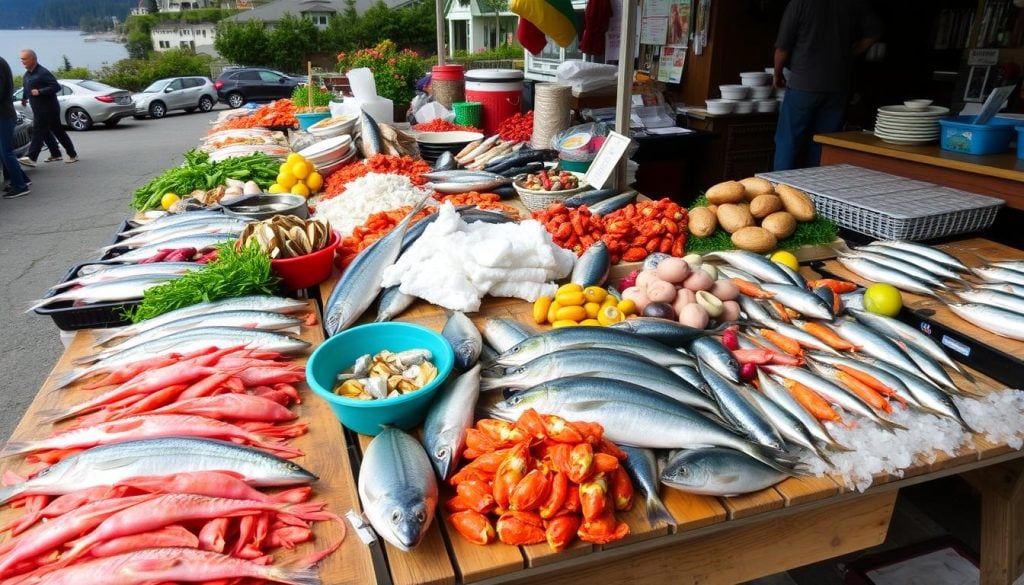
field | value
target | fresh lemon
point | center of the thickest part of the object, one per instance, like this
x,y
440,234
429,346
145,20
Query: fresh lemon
x,y
300,170
286,179
883,299
626,307
570,287
294,158
299,189
609,315
276,188
595,294
168,200
786,259
315,182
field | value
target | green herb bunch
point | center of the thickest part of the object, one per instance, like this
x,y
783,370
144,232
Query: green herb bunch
x,y
321,96
198,172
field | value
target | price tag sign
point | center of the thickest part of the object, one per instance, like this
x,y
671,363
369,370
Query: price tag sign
x,y
607,160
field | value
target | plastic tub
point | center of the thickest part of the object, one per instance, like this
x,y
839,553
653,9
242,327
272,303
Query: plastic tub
x,y
500,93
308,270
576,166
308,119
734,92
958,135
1020,142
338,353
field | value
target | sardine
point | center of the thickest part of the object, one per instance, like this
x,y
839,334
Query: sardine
x,y
220,226
615,203
371,142
757,265
601,363
929,367
778,395
450,414
833,393
790,428
111,464
464,338
113,272
875,272
584,337
690,375
927,396
794,276
873,344
718,472
825,294
800,300
1014,265
711,352
445,162
993,319
631,415
361,282
1013,289
125,289
260,320
392,303
996,274
642,466
502,334
461,176
938,269
733,272
873,368
993,298
668,332
738,410
753,310
590,197
927,251
479,184
591,268
172,219
913,271
897,329
199,242
397,488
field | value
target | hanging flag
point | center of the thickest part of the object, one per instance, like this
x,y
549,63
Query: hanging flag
x,y
555,18
597,17
531,37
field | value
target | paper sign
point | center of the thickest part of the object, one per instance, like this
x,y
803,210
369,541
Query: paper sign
x,y
656,7
678,23
983,57
607,160
670,65
653,30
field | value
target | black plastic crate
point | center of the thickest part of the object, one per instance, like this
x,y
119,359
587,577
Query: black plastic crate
x,y
68,317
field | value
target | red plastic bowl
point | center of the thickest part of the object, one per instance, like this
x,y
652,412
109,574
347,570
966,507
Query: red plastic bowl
x,y
309,270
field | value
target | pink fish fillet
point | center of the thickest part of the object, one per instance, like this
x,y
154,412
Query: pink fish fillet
x,y
234,406
163,565
167,536
215,484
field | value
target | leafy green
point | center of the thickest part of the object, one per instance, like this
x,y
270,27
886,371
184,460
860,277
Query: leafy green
x,y
321,97
198,172
235,273
818,232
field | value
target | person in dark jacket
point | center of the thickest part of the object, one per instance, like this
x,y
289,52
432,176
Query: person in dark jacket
x,y
8,120
41,89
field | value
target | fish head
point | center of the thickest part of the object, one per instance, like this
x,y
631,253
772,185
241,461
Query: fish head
x,y
406,520
443,456
684,473
519,401
522,352
465,355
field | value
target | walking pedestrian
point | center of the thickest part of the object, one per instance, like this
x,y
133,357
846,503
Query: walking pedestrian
x,y
8,119
817,42
40,91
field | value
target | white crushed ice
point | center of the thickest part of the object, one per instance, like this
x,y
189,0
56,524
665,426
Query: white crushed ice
x,y
998,416
367,195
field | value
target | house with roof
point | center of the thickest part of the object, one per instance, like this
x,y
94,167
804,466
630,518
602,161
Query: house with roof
x,y
319,11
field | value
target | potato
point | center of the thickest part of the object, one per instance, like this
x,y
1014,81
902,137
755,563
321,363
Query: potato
x,y
796,202
713,209
756,186
765,205
781,224
727,192
702,222
733,217
754,239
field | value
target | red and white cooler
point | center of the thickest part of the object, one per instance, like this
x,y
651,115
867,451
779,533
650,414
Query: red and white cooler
x,y
500,93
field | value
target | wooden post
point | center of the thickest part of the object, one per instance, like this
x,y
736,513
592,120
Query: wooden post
x,y
1002,521
624,95
309,84
440,32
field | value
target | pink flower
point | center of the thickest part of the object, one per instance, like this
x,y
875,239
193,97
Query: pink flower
x,y
392,61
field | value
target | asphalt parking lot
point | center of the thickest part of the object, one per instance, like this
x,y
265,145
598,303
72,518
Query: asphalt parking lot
x,y
72,211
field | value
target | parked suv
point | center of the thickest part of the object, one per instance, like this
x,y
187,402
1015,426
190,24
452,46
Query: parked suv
x,y
175,93
238,86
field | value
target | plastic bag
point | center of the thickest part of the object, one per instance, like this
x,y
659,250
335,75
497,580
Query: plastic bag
x,y
586,77
580,143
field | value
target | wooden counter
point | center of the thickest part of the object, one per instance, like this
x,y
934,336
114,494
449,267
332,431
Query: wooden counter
x,y
998,175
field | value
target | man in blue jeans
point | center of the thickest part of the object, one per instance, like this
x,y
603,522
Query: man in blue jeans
x,y
817,42
8,119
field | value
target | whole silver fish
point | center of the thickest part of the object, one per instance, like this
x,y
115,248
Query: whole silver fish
x,y
1013,289
753,310
118,271
247,303
460,175
873,368
755,264
189,341
261,320
779,396
718,472
583,337
360,283
927,251
642,466
502,334
606,206
630,415
393,302
111,464
467,184
790,428
929,367
397,488
710,352
450,414
912,270
833,393
220,226
668,332
993,298
172,219
733,272
996,274
873,344
739,411
899,330
445,162
998,321
464,338
927,396
800,300
936,268
690,375
794,276
124,289
199,242
601,363
876,272
371,142
1014,265
591,268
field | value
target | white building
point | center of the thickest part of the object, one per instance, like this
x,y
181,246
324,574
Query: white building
x,y
319,11
197,36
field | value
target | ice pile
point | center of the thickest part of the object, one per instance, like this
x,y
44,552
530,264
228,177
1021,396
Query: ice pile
x,y
999,416
454,264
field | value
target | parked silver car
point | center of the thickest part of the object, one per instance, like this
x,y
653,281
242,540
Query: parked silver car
x,y
175,93
84,102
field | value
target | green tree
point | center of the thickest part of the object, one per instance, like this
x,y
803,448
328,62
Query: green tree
x,y
139,44
291,40
244,43
497,7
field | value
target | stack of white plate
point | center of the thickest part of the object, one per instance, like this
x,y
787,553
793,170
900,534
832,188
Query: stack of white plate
x,y
903,125
330,154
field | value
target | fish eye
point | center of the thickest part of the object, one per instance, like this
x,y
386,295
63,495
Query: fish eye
x,y
683,471
516,349
514,400
441,453
293,466
421,517
396,517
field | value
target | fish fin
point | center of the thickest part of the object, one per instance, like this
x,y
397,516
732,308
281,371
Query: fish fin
x,y
888,425
90,359
70,377
295,575
657,513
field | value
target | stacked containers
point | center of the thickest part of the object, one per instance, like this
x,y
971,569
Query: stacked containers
x,y
448,84
500,93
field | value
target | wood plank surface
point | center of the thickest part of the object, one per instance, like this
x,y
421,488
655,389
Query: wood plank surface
x,y
538,555
324,445
801,490
692,511
474,562
639,527
753,503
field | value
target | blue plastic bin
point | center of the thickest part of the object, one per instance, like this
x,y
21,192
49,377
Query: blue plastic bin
x,y
1020,142
959,135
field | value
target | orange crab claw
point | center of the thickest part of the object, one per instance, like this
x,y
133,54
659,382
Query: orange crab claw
x,y
559,429
473,526
531,423
581,461
531,491
504,433
561,531
517,528
622,489
572,499
556,495
606,446
509,473
594,497
592,432
457,504
477,495
477,440
603,529
605,463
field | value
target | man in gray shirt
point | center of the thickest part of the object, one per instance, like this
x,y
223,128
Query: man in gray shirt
x,y
817,42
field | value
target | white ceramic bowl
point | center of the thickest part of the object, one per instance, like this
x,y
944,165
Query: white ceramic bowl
x,y
917,105
327,150
334,126
754,78
767,106
720,106
734,92
761,92
744,107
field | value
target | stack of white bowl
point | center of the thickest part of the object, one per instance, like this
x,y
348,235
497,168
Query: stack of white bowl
x,y
330,154
754,93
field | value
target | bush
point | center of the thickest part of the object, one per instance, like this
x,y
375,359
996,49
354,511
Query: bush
x,y
513,51
136,74
74,73
395,72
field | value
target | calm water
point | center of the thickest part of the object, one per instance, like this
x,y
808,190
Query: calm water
x,y
52,45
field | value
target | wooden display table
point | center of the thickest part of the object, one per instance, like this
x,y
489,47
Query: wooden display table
x,y
998,175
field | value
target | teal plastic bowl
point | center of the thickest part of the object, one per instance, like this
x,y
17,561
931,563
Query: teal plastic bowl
x,y
308,119
367,417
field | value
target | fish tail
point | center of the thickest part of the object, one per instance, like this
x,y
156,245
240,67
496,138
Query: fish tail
x,y
39,303
294,575
888,425
13,448
71,377
106,338
657,513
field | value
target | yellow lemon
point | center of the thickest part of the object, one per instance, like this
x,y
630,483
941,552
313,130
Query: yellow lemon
x,y
276,188
570,287
286,179
595,294
558,324
786,259
300,170
168,200
540,309
294,158
626,307
883,299
300,189
609,315
590,323
315,182
572,312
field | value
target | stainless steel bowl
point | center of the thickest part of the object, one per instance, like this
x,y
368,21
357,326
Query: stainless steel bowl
x,y
266,205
